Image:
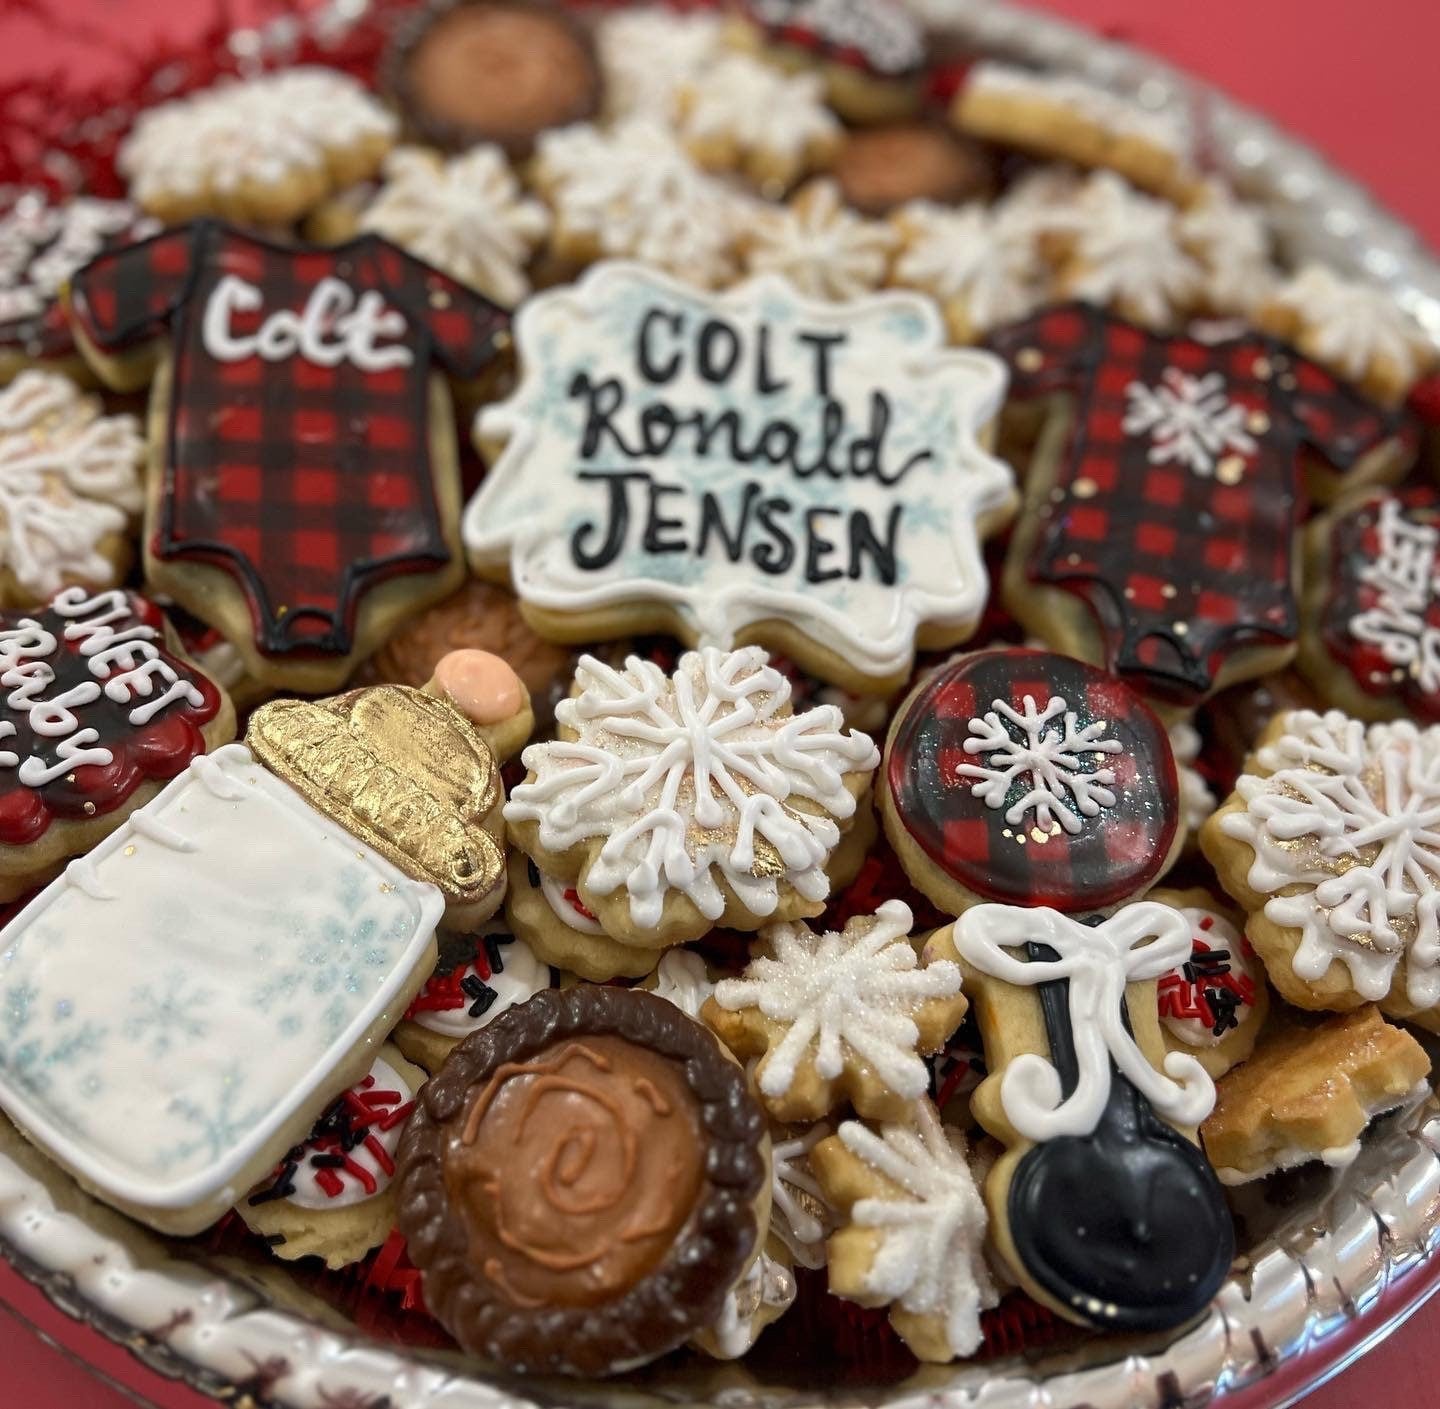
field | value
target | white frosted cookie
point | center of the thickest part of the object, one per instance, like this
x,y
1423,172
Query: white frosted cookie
x,y
648,53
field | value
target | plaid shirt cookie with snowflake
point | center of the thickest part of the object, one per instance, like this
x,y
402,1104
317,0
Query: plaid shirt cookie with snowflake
x,y
1031,778
308,456
1176,495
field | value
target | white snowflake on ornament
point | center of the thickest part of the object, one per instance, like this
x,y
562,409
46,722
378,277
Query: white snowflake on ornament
x,y
693,773
1049,754
1346,822
930,1260
837,995
69,480
1405,576
1190,420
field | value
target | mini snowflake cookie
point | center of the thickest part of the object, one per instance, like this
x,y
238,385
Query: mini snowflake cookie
x,y
1062,117
1331,843
675,803
332,1196
979,263
466,216
263,149
745,466
821,246
1356,330
633,191
839,1016
747,116
1232,242
912,1233
1022,776
649,54
69,489
1370,613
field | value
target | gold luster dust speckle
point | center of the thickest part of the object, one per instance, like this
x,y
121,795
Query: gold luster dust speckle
x,y
386,887
89,809
1029,359
1262,369
1084,488
1230,470
1257,422
130,850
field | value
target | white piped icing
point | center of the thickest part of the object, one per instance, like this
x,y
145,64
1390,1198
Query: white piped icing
x,y
768,1287
819,244
564,910
649,53
681,978
1232,241
1406,577
800,1215
1197,801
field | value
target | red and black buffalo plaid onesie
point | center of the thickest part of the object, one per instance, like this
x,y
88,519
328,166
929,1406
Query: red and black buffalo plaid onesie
x,y
1178,492
298,455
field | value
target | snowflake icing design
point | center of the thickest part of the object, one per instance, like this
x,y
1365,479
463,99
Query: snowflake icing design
x,y
1347,823
1049,755
218,1126
1190,420
687,774
801,1217
857,990
932,1230
166,1015
31,1051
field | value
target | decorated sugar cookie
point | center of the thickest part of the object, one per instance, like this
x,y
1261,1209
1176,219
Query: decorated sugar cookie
x,y
477,977
648,53
1358,331
1160,514
69,489
1030,778
1233,244
1097,1119
747,466
912,1230
333,1195
673,804
1063,117
306,487
99,714
880,169
800,1214
466,217
1331,844
266,952
463,72
838,1017
682,977
41,245
584,1182
264,149
490,695
1309,1092
1214,1004
1370,623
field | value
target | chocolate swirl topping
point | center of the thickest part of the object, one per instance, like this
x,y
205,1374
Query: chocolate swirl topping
x,y
579,1180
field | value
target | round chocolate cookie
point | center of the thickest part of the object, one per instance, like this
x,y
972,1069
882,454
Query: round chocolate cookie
x,y
881,168
503,71
579,1182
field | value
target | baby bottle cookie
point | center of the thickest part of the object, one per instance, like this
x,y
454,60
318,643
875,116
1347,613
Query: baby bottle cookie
x,y
1102,1204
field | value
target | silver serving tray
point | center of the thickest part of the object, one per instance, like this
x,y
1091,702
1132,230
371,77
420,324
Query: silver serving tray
x,y
1333,1260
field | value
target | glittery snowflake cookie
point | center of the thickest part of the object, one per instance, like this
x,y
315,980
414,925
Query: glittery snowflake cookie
x,y
466,216
747,116
263,149
1065,118
839,1016
632,190
649,53
69,489
1232,242
676,803
1355,330
912,1232
821,246
1331,843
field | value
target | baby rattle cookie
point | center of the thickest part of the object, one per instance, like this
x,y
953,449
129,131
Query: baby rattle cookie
x,y
1309,1092
677,803
1022,776
100,713
1163,494
1331,844
260,150
584,1182
305,486
745,467
1102,1205
333,1195
1370,614
912,1229
839,1017
1214,1003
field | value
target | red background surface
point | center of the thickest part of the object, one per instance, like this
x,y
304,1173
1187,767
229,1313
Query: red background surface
x,y
1356,80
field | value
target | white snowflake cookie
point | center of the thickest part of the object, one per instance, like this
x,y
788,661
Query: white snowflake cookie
x,y
466,216
264,149
674,803
69,489
1232,242
649,53
913,1230
1331,841
840,1016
